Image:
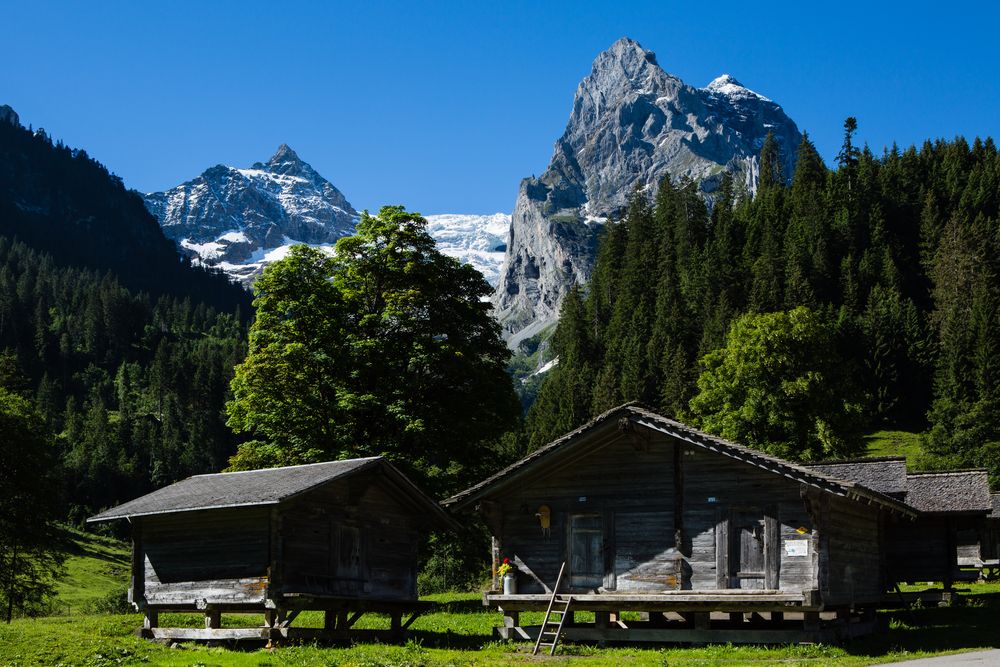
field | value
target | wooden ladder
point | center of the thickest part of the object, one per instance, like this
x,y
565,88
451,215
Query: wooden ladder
x,y
544,631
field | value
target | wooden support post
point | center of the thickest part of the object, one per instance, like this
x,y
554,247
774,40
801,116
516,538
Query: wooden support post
x,y
777,616
213,619
341,620
702,620
150,619
329,620
270,616
602,619
511,619
736,617
810,621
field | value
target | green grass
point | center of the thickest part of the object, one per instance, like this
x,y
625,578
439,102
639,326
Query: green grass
x,y
459,632
898,443
95,567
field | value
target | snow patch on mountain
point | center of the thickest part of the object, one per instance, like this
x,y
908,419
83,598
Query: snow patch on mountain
x,y
479,240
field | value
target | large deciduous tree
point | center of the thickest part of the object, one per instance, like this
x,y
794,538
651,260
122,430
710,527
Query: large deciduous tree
x,y
779,385
385,348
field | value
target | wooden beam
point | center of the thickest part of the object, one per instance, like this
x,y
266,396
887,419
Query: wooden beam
x,y
213,619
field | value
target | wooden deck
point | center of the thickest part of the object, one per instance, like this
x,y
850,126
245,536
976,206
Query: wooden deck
x,y
340,616
690,617
719,600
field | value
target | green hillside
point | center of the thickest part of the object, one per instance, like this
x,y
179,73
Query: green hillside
x,y
96,567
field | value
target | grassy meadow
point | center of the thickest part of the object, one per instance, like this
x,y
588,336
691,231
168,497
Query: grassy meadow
x,y
459,632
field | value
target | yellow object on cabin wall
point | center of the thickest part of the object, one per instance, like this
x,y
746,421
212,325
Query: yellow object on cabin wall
x,y
544,515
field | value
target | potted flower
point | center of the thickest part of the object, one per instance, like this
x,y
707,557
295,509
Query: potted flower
x,y
506,572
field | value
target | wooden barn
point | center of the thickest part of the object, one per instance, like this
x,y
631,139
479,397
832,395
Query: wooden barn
x,y
340,537
953,510
705,539
952,537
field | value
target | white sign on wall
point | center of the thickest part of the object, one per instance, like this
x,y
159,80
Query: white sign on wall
x,y
797,548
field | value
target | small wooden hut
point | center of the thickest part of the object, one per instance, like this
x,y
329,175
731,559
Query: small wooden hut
x,y
706,539
340,537
945,537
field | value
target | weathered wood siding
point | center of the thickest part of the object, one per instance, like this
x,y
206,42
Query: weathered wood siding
x,y
627,481
715,487
211,556
351,538
850,534
642,512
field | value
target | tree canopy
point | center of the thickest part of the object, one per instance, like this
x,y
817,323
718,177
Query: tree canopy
x,y
385,348
779,385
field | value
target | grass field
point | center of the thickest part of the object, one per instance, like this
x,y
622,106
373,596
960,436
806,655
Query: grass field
x,y
898,443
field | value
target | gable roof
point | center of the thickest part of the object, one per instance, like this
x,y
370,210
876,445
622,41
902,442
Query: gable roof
x,y
961,491
636,414
268,486
886,474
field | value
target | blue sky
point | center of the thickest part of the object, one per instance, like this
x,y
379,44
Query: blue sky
x,y
444,107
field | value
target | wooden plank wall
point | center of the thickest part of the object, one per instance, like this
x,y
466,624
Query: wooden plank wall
x,y
217,556
713,486
630,483
660,536
851,532
352,537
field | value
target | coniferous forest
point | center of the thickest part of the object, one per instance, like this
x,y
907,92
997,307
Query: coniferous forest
x,y
891,261
125,350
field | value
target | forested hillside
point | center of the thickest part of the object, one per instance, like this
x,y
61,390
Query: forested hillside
x,y
897,255
60,201
126,350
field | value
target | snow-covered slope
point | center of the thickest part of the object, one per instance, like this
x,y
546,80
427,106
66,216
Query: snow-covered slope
x,y
479,240
241,220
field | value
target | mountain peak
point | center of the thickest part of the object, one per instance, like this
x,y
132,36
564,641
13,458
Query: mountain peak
x,y
8,115
724,80
627,51
284,154
729,86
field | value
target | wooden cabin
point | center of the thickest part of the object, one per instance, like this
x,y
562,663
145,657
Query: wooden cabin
x,y
945,537
951,537
340,537
706,539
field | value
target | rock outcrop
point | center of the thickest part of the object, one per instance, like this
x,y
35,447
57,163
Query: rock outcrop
x,y
8,115
631,126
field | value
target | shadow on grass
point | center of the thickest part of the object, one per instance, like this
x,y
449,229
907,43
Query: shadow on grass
x,y
463,607
970,623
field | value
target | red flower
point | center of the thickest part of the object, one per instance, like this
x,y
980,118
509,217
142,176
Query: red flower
x,y
506,561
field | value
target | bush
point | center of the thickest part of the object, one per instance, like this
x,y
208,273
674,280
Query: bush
x,y
114,602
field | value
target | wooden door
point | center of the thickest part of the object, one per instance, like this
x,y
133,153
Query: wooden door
x,y
747,540
586,546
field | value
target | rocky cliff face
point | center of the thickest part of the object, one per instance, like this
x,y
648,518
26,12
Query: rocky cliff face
x,y
632,125
8,115
240,219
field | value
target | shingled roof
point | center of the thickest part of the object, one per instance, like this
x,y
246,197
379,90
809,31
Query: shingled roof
x,y
637,414
886,474
269,486
958,491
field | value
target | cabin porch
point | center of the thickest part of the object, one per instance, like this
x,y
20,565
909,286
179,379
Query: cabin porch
x,y
689,617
